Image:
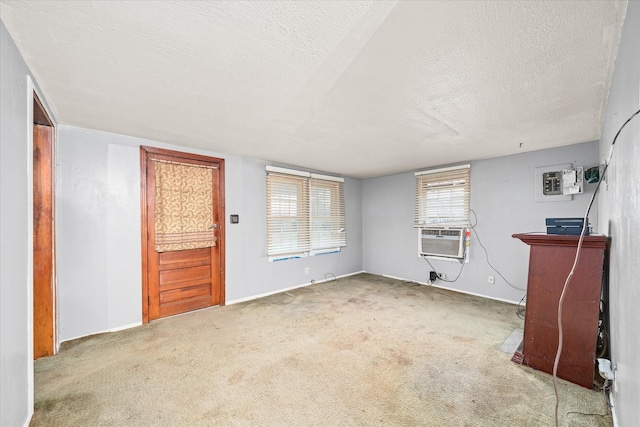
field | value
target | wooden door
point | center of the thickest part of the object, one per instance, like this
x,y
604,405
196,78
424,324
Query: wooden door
x,y
182,280
43,242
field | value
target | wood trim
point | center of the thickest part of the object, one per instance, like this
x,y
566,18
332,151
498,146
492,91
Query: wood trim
x,y
222,227
144,231
44,269
40,115
594,241
180,154
54,251
153,262
43,243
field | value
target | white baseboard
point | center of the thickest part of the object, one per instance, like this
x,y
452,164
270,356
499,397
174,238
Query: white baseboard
x,y
453,289
266,294
116,329
613,411
400,278
235,301
262,295
122,328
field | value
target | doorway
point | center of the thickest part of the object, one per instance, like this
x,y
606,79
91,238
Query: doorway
x,y
182,269
44,283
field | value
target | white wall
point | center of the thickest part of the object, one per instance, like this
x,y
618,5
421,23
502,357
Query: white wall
x,y
502,195
98,214
98,229
620,219
16,234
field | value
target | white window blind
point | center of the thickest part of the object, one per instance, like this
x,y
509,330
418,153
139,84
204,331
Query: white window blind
x,y
305,213
442,197
288,229
328,222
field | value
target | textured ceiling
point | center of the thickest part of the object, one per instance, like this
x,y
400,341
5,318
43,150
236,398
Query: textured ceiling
x,y
358,88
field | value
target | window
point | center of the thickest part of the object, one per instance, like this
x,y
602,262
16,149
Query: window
x,y
328,223
442,197
305,213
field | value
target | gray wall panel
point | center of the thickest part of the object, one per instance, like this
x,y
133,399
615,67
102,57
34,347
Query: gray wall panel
x,y
620,219
502,195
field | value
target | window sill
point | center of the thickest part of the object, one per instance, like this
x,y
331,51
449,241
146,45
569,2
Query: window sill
x,y
275,258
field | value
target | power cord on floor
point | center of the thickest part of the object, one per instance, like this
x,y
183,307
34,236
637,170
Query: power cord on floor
x,y
411,282
486,253
440,278
575,263
591,415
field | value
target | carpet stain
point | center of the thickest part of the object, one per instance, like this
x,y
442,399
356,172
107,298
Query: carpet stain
x,y
236,378
349,342
341,345
69,402
362,336
68,405
399,358
403,361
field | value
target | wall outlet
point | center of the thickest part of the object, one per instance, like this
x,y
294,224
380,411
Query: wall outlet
x,y
491,280
306,270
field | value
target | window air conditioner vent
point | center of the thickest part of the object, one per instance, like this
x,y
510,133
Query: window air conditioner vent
x,y
441,242
455,233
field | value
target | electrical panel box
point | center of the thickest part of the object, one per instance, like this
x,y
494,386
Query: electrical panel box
x,y
557,183
565,182
552,183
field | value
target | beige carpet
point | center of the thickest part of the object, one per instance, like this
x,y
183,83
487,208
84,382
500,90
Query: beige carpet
x,y
364,351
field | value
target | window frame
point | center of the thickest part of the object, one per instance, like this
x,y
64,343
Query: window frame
x,y
310,198
441,184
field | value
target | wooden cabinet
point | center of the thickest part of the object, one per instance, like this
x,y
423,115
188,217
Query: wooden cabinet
x,y
550,260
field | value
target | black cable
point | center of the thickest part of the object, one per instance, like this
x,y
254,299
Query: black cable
x,y
335,279
593,415
606,165
440,278
520,312
603,337
575,262
486,253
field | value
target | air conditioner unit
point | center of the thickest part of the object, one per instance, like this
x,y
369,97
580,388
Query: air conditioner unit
x,y
441,242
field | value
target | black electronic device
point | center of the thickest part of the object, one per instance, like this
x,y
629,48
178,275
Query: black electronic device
x,y
567,226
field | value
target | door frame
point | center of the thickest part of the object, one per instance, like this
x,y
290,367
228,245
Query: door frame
x,y
145,153
42,118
